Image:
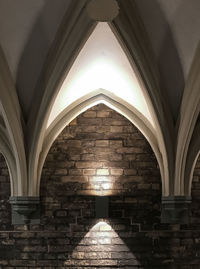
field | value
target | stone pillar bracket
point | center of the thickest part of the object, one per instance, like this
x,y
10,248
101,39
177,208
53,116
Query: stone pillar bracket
x,y
175,209
25,209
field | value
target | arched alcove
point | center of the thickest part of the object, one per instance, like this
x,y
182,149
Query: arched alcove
x,y
103,57
102,65
100,153
87,102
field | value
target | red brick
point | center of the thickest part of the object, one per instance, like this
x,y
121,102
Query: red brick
x,y
90,114
74,179
103,114
89,172
102,143
117,172
130,172
102,172
116,129
88,164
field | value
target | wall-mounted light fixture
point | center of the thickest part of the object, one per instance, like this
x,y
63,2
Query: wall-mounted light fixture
x,y
102,207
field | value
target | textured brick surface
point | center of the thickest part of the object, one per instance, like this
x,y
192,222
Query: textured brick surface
x,y
99,153
5,217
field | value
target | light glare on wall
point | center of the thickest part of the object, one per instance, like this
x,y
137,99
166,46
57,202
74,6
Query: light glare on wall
x,y
106,186
102,238
101,64
101,185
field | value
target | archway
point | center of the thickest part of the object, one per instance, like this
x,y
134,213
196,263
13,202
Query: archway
x,y
38,154
100,153
69,114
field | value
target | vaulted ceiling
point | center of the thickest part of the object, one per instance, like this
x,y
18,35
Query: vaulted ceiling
x,y
41,41
27,29
173,27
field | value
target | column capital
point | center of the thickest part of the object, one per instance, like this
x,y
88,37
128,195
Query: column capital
x,y
175,209
25,209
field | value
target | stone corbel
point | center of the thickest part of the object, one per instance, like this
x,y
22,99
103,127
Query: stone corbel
x,y
175,209
25,210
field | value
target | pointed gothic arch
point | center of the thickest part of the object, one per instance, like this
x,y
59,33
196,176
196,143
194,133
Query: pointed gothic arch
x,y
88,101
101,64
68,44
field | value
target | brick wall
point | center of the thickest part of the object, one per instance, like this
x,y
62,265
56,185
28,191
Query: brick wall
x,y
100,152
5,218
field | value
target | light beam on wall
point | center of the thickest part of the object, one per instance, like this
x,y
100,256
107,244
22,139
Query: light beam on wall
x,y
102,246
101,64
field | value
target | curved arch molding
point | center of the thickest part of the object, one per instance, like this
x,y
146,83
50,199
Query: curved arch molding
x,y
14,148
68,43
99,96
186,136
72,35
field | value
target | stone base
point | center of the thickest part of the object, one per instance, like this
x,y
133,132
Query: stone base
x,y
25,210
175,209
